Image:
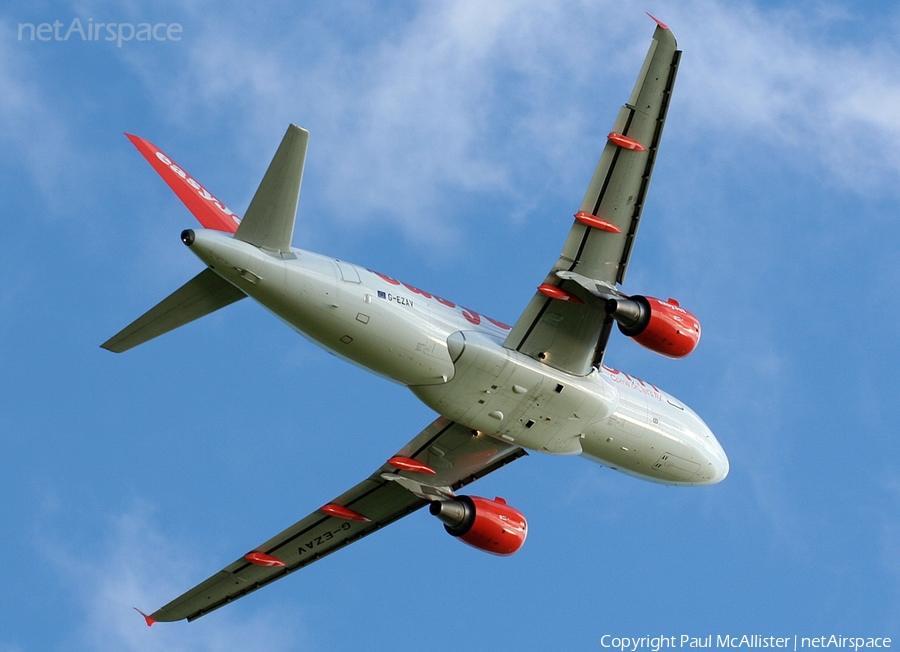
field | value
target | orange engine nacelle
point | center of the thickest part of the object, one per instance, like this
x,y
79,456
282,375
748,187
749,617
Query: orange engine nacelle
x,y
489,525
661,326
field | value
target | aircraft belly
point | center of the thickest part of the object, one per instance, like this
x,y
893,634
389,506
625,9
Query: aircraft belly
x,y
547,392
325,301
344,317
514,397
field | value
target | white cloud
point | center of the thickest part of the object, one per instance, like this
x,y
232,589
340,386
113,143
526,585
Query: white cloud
x,y
36,134
778,80
139,566
458,99
410,117
463,98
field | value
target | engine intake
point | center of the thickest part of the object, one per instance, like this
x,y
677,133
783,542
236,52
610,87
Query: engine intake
x,y
489,525
661,326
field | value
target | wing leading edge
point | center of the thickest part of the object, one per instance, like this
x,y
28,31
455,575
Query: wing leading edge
x,y
566,325
456,454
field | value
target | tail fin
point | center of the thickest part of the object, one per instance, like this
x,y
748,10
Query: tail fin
x,y
208,210
203,294
269,222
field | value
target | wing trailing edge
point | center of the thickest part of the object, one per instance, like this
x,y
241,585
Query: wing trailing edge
x,y
572,336
456,454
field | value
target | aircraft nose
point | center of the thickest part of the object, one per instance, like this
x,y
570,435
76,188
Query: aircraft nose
x,y
715,467
717,460
722,467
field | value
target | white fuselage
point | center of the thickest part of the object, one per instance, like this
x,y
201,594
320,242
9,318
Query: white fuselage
x,y
452,358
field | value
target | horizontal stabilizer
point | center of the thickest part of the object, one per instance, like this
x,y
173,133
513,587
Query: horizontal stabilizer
x,y
269,221
203,294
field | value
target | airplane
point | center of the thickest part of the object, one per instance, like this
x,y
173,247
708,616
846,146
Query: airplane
x,y
499,390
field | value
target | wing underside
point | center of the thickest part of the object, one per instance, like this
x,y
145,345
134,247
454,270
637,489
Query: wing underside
x,y
455,453
570,334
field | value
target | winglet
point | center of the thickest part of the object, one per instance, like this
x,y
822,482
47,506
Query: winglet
x,y
208,210
661,24
147,618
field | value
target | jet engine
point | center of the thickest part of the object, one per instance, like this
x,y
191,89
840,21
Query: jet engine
x,y
489,525
661,326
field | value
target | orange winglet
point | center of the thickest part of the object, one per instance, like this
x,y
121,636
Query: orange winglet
x,y
409,464
208,210
147,618
597,222
339,511
262,559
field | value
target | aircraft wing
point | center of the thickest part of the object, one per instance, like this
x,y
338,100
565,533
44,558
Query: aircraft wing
x,y
457,456
565,324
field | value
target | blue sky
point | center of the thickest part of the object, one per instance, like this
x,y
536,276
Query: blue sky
x,y
450,144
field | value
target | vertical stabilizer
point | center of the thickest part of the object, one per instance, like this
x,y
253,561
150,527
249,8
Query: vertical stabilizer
x,y
269,221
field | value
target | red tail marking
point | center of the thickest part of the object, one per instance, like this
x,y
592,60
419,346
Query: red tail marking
x,y
147,618
597,222
409,464
262,559
346,513
208,210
